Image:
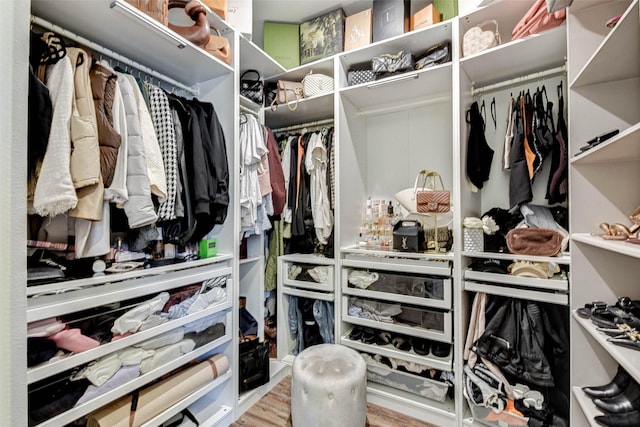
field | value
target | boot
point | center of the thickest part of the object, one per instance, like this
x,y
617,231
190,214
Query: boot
x,y
627,401
627,419
617,385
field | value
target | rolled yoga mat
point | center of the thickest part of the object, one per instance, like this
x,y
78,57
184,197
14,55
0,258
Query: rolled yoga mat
x,y
160,396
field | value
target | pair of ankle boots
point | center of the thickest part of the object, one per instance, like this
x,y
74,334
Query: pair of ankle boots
x,y
619,400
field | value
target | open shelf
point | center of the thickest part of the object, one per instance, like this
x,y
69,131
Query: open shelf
x,y
589,409
564,258
44,370
110,396
58,287
534,53
188,400
54,305
617,246
319,107
439,413
122,28
626,357
623,147
252,57
388,350
607,64
553,284
526,294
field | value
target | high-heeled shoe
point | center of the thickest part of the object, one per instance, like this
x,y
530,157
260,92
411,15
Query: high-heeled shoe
x,y
617,385
617,231
627,401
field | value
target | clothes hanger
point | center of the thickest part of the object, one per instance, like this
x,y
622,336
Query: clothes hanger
x,y
243,116
492,108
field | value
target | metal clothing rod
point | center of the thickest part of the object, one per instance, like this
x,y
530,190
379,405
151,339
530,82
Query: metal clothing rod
x,y
519,80
303,125
108,52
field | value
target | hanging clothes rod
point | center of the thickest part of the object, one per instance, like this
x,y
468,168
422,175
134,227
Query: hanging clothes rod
x,y
519,80
304,125
111,54
248,110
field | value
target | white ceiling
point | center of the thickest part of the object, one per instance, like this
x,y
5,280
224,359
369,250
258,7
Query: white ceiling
x,y
296,11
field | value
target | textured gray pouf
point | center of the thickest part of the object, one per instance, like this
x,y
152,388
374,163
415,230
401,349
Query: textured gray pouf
x,y
329,387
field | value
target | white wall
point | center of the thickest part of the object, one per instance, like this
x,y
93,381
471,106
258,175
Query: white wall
x,y
14,23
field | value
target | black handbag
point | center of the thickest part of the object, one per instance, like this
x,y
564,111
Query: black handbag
x,y
435,55
253,364
387,64
252,88
408,236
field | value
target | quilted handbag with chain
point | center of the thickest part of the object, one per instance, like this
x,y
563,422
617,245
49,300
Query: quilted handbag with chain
x,y
433,200
316,84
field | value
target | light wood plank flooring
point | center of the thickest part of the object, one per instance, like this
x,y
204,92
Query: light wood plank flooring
x,y
274,410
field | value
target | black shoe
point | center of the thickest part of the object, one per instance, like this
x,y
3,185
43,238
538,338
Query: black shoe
x,y
617,385
421,346
627,419
627,401
440,349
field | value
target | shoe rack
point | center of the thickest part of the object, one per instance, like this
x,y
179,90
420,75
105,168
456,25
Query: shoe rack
x,y
604,81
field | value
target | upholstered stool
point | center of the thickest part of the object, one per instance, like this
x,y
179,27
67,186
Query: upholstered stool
x,y
329,387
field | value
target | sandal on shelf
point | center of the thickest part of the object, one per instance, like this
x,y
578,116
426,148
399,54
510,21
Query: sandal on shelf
x,y
617,231
589,308
630,339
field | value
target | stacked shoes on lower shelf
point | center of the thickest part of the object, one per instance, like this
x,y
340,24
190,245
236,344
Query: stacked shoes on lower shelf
x,y
619,400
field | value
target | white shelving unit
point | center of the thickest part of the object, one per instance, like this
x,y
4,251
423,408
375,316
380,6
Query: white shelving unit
x,y
599,178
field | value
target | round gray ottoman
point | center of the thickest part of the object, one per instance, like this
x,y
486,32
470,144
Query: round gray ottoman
x,y
328,387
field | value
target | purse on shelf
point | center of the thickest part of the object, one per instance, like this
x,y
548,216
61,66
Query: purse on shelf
x,y
442,239
252,88
480,38
316,84
408,236
534,241
157,9
199,32
219,47
388,63
287,92
360,73
538,19
438,54
433,200
407,197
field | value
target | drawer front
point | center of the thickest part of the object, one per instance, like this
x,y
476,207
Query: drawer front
x,y
398,317
409,288
308,276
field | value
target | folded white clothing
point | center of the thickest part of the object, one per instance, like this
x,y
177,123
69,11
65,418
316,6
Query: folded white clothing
x,y
134,355
162,340
133,319
319,273
208,298
99,371
123,376
166,354
151,321
44,327
294,270
362,279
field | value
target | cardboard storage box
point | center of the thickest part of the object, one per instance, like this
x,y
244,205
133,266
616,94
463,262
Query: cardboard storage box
x,y
322,36
281,43
357,30
425,17
390,18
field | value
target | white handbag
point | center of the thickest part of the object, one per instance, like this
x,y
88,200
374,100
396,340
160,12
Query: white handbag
x,y
480,38
316,84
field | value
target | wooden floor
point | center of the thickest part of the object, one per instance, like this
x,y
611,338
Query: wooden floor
x,y
274,410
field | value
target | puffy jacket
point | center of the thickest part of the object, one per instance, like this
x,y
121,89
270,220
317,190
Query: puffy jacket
x,y
139,208
103,83
85,157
